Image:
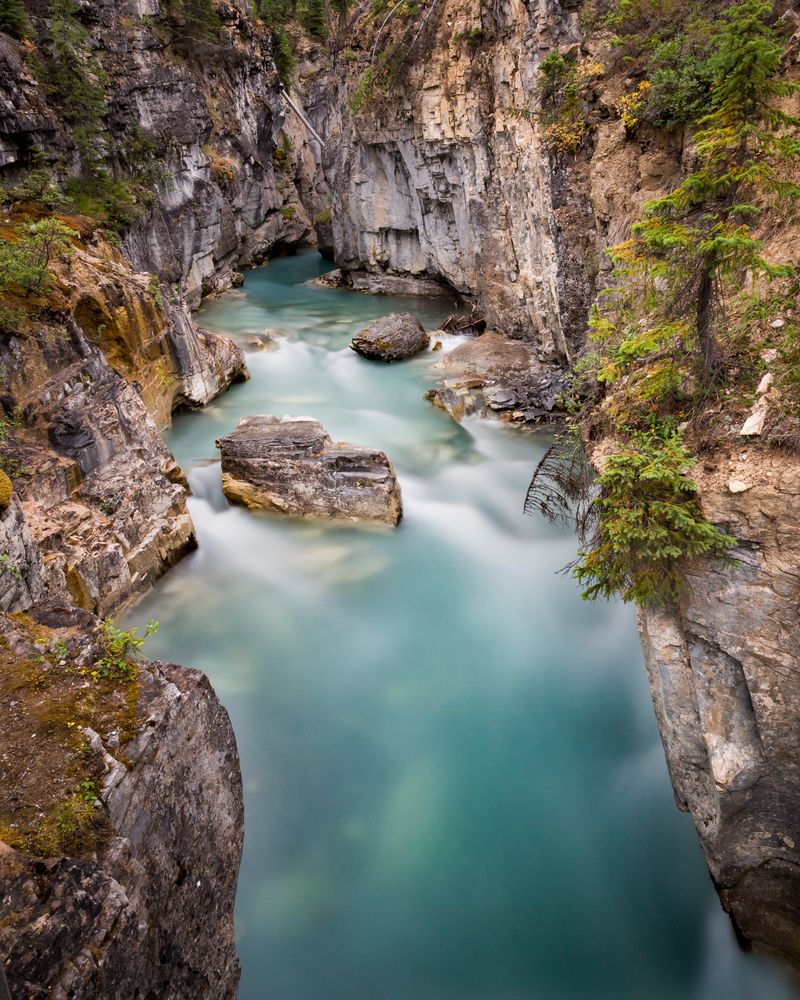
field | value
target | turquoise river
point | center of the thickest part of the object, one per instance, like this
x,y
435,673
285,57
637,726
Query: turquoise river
x,y
454,785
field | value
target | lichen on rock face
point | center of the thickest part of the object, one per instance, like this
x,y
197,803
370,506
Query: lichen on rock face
x,y
6,489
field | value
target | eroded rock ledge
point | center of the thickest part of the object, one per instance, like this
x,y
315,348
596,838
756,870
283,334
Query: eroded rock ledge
x,y
147,908
103,499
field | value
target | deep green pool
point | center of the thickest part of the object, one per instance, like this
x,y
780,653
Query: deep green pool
x,y
454,784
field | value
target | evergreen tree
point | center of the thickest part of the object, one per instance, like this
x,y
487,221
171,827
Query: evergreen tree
x,y
199,21
697,237
690,253
276,13
77,81
315,21
284,56
14,19
25,263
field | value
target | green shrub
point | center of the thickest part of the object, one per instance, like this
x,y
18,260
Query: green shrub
x,y
12,318
365,90
7,566
193,21
37,186
14,19
117,204
692,246
121,648
283,151
680,76
76,81
473,36
650,520
276,13
561,88
314,20
692,287
25,263
70,827
552,73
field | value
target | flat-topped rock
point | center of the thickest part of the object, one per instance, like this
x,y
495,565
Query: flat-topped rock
x,y
290,465
391,338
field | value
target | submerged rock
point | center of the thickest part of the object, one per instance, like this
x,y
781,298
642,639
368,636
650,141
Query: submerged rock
x,y
391,338
450,401
290,465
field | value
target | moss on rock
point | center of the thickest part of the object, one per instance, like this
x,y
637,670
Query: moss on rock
x,y
6,489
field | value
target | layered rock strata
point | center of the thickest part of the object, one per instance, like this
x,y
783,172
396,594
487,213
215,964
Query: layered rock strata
x,y
446,175
441,179
292,466
240,175
103,499
235,176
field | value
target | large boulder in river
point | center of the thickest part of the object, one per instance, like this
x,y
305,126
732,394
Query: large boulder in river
x,y
290,465
391,338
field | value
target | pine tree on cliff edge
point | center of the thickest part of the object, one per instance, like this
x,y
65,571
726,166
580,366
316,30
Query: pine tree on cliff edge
x,y
697,236
14,19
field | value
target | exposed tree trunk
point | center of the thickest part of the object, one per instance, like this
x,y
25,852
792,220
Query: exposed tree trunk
x,y
713,362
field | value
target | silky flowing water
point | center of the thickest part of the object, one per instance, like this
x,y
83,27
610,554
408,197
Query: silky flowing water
x,y
454,785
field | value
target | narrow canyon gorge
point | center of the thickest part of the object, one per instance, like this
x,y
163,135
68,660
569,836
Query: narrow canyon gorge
x,y
424,152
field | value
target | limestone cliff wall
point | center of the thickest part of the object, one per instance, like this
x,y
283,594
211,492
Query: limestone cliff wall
x,y
99,506
439,179
21,580
244,179
104,501
447,172
213,121
724,670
